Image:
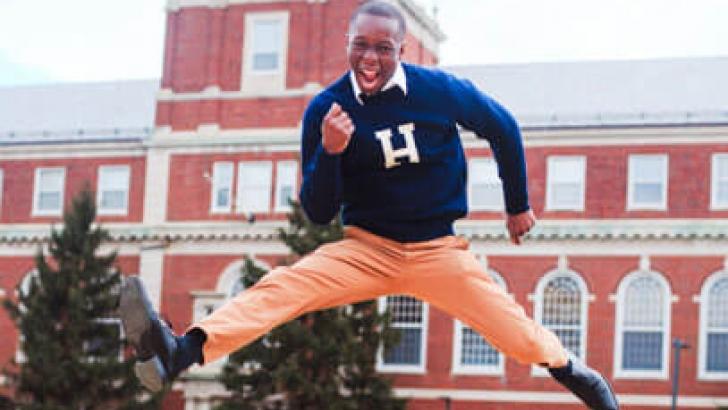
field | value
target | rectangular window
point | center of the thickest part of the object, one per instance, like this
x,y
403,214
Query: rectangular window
x,y
286,176
409,318
485,192
719,178
48,195
2,179
222,187
254,187
566,177
267,36
647,182
112,195
265,53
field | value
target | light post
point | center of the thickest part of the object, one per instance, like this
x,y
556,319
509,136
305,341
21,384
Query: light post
x,y
677,345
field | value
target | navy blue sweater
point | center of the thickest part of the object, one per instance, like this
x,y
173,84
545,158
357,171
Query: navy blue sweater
x,y
413,195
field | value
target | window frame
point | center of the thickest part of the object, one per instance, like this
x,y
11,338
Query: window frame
x,y
277,205
481,370
472,163
539,304
664,372
37,191
703,372
551,201
216,185
420,368
99,190
665,181
252,78
715,204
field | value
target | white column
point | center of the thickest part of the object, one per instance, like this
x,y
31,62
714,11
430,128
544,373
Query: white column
x,y
156,186
151,266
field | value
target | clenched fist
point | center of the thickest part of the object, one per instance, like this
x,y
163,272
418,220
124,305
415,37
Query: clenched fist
x,y
336,130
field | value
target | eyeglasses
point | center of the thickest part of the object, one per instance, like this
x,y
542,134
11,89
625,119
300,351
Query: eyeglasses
x,y
382,49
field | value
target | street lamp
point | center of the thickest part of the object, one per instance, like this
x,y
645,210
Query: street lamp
x,y
677,345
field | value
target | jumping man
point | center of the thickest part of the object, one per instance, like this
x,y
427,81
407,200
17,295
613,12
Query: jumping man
x,y
381,146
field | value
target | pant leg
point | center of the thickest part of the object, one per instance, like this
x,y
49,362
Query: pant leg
x,y
451,279
336,274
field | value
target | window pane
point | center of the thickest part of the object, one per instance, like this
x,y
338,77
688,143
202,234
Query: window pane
x,y
722,194
222,182
404,309
51,180
476,351
569,170
722,167
486,190
566,195
49,201
647,168
571,339
265,61
254,186
644,303
647,193
286,175
718,305
642,351
718,352
113,200
562,304
267,36
407,351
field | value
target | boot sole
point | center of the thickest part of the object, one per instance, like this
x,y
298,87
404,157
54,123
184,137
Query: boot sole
x,y
150,374
136,312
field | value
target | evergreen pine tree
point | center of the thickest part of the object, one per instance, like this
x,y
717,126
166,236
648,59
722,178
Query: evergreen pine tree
x,y
321,360
64,313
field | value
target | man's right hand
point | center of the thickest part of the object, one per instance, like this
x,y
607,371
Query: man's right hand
x,y
336,130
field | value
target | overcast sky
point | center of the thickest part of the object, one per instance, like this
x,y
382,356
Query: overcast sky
x,y
45,41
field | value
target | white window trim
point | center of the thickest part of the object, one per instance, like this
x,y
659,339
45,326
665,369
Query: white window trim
x,y
471,204
664,372
2,185
277,207
551,204
256,81
420,368
115,321
214,209
113,211
485,370
631,205
36,192
703,373
538,305
714,203
239,204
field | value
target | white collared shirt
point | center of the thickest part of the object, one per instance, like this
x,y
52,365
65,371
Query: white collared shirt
x,y
398,79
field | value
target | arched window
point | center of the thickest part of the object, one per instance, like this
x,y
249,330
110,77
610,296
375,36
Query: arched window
x,y
713,350
471,353
409,317
643,326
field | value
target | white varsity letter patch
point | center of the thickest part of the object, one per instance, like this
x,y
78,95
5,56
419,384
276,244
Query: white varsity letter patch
x,y
409,150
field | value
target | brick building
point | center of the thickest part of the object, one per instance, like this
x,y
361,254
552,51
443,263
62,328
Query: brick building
x,y
628,166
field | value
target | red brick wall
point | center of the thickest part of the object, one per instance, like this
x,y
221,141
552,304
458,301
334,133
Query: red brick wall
x,y
187,182
606,181
19,179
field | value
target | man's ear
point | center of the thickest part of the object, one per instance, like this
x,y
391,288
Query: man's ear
x,y
401,48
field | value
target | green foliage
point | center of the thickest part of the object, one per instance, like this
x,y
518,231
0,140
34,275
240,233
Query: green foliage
x,y
322,360
64,313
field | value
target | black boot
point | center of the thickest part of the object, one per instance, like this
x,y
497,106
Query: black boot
x,y
162,355
587,384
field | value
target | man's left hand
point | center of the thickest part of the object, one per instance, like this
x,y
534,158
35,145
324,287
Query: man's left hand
x,y
519,225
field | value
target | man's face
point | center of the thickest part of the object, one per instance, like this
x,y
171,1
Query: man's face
x,y
374,50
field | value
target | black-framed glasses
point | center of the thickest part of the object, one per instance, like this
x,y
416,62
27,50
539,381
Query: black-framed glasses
x,y
382,49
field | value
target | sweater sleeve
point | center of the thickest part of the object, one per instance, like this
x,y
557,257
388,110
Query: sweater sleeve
x,y
490,120
322,181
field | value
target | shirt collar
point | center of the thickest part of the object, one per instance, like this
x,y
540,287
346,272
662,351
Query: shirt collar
x,y
398,79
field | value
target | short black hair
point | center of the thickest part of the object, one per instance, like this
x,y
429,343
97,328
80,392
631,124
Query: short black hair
x,y
382,9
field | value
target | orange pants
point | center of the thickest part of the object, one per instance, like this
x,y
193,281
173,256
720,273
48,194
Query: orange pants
x,y
364,266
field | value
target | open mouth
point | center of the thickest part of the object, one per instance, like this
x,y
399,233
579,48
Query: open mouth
x,y
368,79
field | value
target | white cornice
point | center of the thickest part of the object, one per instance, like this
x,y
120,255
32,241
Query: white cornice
x,y
215,93
73,150
601,136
